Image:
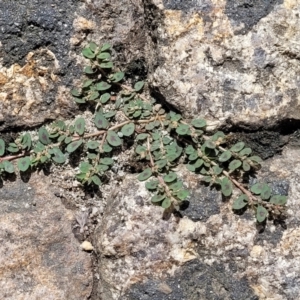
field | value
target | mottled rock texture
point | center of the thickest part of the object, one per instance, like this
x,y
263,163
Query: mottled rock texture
x,y
40,257
214,254
231,61
36,70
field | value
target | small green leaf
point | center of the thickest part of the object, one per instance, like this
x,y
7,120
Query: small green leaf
x,y
79,100
145,174
85,167
226,187
102,168
240,202
2,147
182,129
79,126
24,163
106,148
219,135
235,164
88,70
261,213
104,98
170,177
118,76
92,155
128,129
193,156
113,139
266,192
182,194
44,136
13,148
189,149
140,149
68,140
150,126
107,65
237,147
217,170
8,166
210,144
75,93
158,198
245,152
257,188
161,163
246,166
191,167
103,86
86,84
100,121
278,199
74,145
256,159
225,156
92,144
151,185
58,157
166,203
104,55
107,161
96,180
139,85
198,123
142,136
88,53
110,114
176,186
93,46
105,47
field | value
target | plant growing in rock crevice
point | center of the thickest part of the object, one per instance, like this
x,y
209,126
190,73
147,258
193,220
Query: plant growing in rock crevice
x,y
162,139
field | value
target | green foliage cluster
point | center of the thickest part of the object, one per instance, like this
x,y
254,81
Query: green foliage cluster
x,y
162,139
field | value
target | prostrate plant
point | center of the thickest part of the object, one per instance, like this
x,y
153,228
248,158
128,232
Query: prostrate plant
x,y
162,139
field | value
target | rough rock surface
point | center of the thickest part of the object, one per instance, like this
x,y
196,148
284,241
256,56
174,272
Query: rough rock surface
x,y
40,257
36,70
231,61
217,256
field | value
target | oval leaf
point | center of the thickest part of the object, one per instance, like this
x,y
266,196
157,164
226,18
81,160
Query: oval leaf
x,y
96,180
107,161
8,166
235,164
128,129
158,198
104,98
182,129
237,147
166,203
74,145
139,85
225,156
151,185
240,202
118,76
44,136
278,199
102,86
113,139
261,213
23,163
100,121
226,187
170,177
79,126
198,123
58,157
145,174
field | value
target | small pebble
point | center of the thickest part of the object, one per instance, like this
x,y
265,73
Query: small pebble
x,y
87,246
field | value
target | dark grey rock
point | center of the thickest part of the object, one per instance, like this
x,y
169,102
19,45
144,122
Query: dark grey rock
x,y
249,12
195,281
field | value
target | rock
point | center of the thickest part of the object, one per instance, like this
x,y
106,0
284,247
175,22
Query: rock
x,y
40,258
219,256
230,61
86,246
